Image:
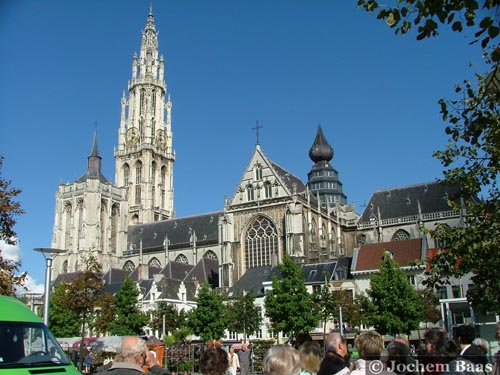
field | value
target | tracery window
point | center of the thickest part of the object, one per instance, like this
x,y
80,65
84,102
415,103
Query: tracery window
x,y
401,235
361,239
250,193
154,262
261,242
138,180
126,174
257,172
129,266
210,255
181,259
268,189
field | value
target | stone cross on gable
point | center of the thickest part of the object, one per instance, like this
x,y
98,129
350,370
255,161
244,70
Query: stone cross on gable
x,y
257,128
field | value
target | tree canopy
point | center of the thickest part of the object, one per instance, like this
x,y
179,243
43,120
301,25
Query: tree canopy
x,y
471,157
393,306
288,304
208,320
244,316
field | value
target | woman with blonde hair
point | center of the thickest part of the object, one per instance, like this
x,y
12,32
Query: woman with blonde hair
x,y
281,360
310,358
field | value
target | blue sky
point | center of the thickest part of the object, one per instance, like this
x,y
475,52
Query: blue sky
x,y
289,64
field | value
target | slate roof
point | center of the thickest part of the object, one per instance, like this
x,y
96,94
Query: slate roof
x,y
151,271
368,257
66,277
252,280
115,275
289,179
205,270
316,273
404,201
176,270
179,233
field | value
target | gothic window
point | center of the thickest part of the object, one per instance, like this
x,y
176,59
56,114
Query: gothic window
x,y
64,268
104,216
80,217
250,193
268,189
401,235
142,103
162,184
210,255
257,172
153,102
126,174
361,239
153,183
129,266
261,242
67,228
115,217
155,262
313,233
138,180
440,231
181,259
323,237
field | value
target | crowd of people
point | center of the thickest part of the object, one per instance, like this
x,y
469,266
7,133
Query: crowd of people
x,y
461,353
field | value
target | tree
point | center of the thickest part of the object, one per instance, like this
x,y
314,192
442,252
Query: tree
x,y
83,294
63,322
431,311
288,304
471,157
324,301
105,314
167,314
393,307
208,320
8,278
129,319
244,316
8,209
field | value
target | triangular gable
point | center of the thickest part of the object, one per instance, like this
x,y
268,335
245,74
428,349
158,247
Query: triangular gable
x,y
283,182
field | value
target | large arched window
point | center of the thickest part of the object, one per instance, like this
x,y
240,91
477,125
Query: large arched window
x,y
401,235
261,242
210,255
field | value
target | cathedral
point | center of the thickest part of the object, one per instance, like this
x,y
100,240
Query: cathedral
x,y
130,225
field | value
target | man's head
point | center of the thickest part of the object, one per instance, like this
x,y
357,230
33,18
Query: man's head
x,y
336,343
464,334
244,347
134,350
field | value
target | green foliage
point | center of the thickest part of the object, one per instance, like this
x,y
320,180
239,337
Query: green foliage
x,y
208,320
8,277
244,316
129,319
63,322
393,307
167,312
472,154
105,314
431,311
9,208
288,305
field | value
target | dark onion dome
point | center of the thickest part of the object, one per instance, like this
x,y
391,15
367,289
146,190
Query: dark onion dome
x,y
321,149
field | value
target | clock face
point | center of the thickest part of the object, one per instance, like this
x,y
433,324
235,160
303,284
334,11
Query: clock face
x,y
132,136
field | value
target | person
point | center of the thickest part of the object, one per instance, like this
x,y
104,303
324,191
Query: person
x,y
108,364
214,361
134,356
302,338
399,359
336,355
281,360
89,360
370,345
437,350
482,344
310,358
234,362
244,359
496,356
464,335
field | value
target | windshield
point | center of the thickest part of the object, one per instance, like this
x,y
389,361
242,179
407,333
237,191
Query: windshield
x,y
25,344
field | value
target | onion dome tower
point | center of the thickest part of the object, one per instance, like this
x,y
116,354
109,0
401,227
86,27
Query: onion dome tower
x,y
323,180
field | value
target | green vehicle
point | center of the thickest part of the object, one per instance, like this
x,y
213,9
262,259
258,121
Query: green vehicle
x,y
26,344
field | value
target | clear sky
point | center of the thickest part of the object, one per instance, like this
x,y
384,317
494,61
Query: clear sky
x,y
289,64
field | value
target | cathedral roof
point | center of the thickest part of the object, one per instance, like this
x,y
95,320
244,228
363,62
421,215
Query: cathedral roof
x,y
408,200
176,270
288,178
205,270
178,233
368,257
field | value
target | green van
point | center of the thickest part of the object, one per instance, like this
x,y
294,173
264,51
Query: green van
x,y
26,344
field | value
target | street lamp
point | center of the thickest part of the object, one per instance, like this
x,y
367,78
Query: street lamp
x,y
49,254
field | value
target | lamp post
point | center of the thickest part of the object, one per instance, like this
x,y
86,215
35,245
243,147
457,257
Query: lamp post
x,y
49,254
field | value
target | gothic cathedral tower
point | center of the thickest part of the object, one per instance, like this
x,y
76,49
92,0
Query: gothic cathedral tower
x,y
145,157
